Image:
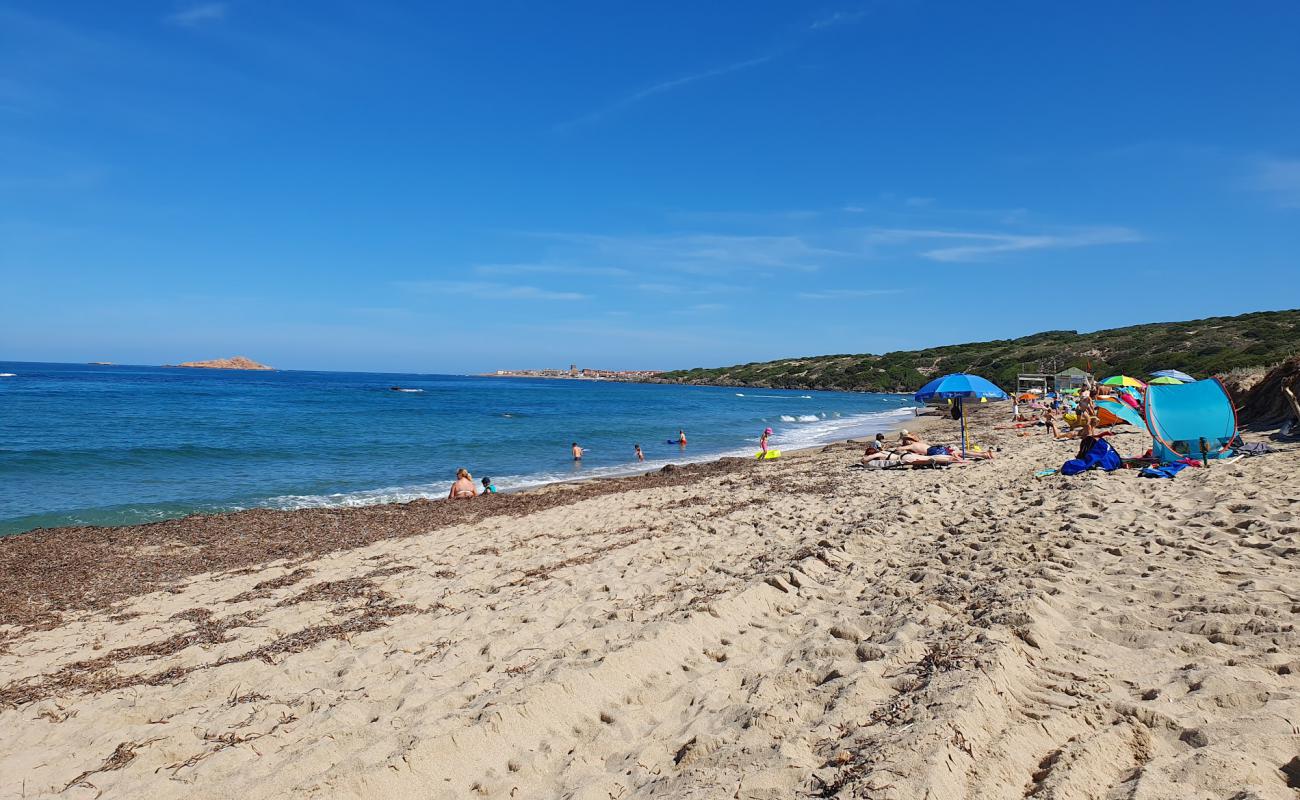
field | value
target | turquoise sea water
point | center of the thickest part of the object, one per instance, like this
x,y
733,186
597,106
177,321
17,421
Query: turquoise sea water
x,y
112,445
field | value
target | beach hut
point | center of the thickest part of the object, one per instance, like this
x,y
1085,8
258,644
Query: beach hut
x,y
960,388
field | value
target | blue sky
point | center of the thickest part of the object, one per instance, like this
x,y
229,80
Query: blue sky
x,y
472,186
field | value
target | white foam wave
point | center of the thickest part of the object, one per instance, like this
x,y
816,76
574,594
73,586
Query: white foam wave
x,y
811,431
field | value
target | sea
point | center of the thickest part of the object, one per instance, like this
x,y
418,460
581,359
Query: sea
x,y
115,445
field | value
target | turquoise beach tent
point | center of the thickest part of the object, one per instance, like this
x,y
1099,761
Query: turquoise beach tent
x,y
1190,419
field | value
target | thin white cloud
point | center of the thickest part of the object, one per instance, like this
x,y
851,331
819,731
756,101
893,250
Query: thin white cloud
x,y
552,269
661,88
483,290
846,294
837,18
1279,177
703,253
201,14
979,245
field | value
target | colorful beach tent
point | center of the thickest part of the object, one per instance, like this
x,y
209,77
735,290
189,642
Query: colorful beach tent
x,y
1166,380
959,388
1123,380
1190,419
1112,412
1173,373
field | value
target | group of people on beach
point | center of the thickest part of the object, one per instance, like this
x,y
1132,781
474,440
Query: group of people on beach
x,y
913,451
463,488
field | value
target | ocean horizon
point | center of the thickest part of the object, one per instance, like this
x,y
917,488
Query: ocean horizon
x,y
87,444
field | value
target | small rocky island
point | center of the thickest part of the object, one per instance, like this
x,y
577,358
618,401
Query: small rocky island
x,y
237,362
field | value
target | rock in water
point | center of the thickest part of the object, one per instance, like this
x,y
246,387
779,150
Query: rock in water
x,y
237,362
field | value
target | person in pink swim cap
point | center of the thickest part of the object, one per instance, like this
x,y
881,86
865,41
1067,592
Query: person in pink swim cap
x,y
762,443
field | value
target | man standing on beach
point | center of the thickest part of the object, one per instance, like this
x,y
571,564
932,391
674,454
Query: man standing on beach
x,y
577,452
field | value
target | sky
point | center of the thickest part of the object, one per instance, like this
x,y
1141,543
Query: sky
x,y
464,187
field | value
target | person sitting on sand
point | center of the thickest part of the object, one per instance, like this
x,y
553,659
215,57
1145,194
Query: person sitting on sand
x,y
463,488
1054,428
639,455
489,487
873,452
880,441
577,452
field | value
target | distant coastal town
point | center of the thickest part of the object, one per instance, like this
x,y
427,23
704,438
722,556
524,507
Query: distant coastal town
x,y
573,373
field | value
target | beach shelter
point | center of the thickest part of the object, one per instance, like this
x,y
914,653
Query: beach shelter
x,y
959,388
1111,411
1123,380
1182,377
1166,380
1190,419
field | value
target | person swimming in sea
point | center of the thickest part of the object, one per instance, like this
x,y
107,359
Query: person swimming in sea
x,y
762,443
577,452
463,488
489,487
639,455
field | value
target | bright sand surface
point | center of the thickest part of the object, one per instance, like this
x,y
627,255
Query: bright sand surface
x,y
786,629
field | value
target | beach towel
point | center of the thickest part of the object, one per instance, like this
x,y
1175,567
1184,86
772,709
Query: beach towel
x,y
1100,456
1166,471
1255,449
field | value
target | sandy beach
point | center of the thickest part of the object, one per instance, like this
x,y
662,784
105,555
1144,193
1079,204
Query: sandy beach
x,y
797,628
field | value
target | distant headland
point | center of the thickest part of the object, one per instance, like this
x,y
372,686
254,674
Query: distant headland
x,y
237,362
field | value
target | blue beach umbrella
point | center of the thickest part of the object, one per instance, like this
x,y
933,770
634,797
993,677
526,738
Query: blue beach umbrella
x,y
1175,374
960,387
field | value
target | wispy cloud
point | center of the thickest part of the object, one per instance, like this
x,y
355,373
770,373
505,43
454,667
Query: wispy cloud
x,y
483,290
704,253
1279,177
846,294
837,18
196,15
660,88
552,269
978,245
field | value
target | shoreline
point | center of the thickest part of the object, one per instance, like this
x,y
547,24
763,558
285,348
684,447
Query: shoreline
x,y
102,577
356,499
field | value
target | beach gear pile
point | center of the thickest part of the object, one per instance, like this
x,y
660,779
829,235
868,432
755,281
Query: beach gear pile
x,y
1190,422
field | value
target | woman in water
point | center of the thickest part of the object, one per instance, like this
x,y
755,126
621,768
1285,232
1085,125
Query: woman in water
x,y
463,488
681,438
762,443
639,455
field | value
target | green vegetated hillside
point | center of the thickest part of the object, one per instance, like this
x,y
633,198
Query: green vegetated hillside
x,y
1199,347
